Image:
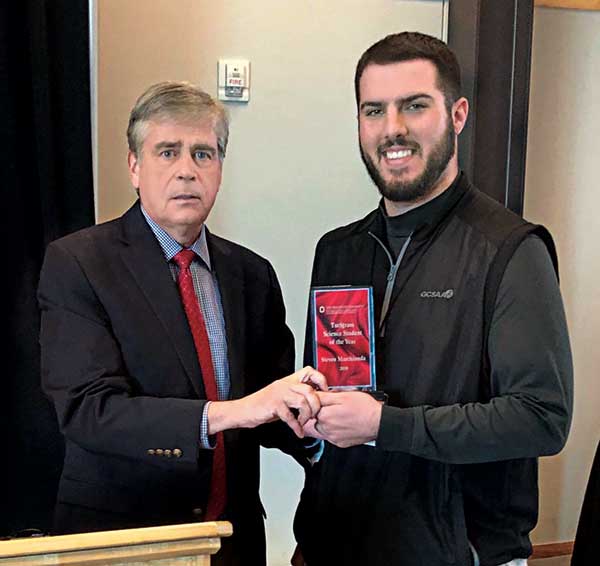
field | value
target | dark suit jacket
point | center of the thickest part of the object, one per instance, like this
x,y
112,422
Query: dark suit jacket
x,y
119,363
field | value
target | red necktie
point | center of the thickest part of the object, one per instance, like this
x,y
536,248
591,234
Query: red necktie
x,y
218,485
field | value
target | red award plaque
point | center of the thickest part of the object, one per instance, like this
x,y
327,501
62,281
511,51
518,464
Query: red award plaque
x,y
343,338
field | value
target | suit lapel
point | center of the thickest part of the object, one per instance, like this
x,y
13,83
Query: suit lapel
x,y
230,277
145,260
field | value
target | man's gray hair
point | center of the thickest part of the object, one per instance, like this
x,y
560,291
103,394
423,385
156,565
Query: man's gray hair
x,y
180,101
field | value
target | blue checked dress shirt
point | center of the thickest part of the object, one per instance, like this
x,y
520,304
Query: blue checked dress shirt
x,y
209,298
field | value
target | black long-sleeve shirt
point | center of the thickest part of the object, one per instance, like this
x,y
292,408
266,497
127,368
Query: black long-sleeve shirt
x,y
531,363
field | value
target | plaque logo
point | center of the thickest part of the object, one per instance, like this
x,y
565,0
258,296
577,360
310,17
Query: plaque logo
x,y
448,294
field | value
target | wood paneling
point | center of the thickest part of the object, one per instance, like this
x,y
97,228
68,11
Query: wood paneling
x,y
552,549
573,4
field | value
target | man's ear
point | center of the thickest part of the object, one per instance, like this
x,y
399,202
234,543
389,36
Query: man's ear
x,y
133,164
460,112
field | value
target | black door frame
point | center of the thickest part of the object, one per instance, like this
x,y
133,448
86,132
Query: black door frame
x,y
492,41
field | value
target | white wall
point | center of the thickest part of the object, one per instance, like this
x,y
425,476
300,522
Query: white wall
x,y
562,192
293,170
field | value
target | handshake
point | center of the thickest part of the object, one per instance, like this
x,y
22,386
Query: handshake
x,y
303,402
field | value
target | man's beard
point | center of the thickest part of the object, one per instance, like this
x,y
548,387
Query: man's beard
x,y
424,184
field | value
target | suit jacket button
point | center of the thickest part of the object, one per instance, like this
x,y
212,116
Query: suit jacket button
x,y
168,453
150,452
177,453
159,451
198,513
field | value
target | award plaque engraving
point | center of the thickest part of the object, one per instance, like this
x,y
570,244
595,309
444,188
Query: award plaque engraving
x,y
343,336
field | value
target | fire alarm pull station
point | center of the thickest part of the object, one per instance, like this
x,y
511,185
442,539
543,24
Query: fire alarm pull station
x,y
234,80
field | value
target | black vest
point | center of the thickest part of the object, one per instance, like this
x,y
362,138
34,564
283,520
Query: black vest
x,y
383,508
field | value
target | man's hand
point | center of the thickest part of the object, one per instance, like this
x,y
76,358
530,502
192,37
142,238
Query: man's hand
x,y
346,418
275,401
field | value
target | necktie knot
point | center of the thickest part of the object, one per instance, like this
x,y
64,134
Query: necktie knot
x,y
184,258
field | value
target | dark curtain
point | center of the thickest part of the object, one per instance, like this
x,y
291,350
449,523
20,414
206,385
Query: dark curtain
x,y
585,551
46,182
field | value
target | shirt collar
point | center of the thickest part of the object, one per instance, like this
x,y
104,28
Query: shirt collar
x,y
429,213
171,247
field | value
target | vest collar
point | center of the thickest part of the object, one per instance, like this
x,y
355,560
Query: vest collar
x,y
423,220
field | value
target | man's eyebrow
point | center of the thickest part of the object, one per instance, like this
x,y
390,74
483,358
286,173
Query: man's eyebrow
x,y
370,104
167,145
414,97
399,101
203,147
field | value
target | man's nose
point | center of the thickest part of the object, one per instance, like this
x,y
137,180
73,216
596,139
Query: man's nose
x,y
395,123
186,168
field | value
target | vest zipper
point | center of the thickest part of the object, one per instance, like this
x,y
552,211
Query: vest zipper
x,y
391,278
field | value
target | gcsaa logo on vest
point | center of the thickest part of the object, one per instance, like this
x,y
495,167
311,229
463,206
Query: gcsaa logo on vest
x,y
448,294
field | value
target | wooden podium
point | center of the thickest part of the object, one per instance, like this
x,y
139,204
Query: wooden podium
x,y
172,545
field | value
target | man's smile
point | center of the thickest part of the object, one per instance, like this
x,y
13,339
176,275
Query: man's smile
x,y
391,154
396,155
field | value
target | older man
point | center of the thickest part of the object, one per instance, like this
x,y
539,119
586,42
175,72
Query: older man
x,y
164,346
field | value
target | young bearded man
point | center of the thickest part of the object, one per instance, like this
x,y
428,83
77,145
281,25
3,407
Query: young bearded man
x,y
472,345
